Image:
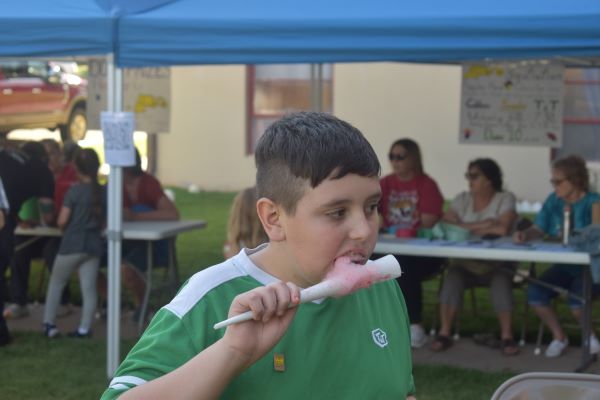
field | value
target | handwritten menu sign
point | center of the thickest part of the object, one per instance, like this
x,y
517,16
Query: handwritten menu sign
x,y
512,103
117,130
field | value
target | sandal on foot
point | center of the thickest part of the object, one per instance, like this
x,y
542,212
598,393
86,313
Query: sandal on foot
x,y
441,343
509,347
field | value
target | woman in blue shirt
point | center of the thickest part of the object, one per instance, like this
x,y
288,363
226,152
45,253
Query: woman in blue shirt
x,y
571,189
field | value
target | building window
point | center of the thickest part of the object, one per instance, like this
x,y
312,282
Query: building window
x,y
581,116
278,89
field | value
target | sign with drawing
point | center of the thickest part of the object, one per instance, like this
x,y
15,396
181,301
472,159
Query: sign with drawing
x,y
508,103
146,92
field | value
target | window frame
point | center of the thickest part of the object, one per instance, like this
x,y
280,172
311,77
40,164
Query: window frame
x,y
251,115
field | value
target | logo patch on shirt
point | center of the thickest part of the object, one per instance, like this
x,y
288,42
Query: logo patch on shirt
x,y
279,362
379,337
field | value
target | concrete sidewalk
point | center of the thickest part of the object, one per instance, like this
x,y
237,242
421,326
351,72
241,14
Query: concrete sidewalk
x,y
465,353
68,323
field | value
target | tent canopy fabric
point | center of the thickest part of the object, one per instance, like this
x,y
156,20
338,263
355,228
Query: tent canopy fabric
x,y
186,32
57,28
65,28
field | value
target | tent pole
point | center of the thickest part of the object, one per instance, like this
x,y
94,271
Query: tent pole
x,y
316,87
114,229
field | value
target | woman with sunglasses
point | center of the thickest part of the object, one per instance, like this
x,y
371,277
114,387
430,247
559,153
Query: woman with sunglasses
x,y
571,192
411,200
485,209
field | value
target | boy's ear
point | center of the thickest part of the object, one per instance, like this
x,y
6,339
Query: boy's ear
x,y
270,216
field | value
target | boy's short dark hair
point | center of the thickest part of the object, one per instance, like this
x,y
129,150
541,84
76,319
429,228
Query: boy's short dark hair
x,y
307,147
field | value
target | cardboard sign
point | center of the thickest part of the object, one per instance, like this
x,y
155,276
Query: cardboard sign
x,y
146,92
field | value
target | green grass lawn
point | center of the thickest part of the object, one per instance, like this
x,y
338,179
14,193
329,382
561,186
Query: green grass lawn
x,y
36,368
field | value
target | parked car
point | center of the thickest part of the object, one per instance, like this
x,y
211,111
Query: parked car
x,y
42,94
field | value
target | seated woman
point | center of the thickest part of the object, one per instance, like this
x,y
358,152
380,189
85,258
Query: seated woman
x,y
410,199
143,200
484,210
571,189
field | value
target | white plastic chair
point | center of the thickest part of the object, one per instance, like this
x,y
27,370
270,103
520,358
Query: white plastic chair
x,y
549,386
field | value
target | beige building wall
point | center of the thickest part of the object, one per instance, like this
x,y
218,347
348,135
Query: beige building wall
x,y
206,145
386,101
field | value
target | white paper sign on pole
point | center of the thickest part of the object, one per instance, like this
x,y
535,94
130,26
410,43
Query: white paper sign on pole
x,y
117,130
518,103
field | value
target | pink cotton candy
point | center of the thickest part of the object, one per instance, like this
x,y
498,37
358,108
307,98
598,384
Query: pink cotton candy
x,y
345,277
356,276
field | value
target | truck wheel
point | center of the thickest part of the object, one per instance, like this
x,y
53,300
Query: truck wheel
x,y
76,128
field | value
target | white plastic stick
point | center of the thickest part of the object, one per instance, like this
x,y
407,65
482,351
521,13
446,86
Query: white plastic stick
x,y
344,279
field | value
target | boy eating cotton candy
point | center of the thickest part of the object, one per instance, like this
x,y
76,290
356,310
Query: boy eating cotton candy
x,y
318,189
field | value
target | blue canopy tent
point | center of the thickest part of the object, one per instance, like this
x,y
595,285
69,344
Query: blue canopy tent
x,y
185,32
311,31
60,28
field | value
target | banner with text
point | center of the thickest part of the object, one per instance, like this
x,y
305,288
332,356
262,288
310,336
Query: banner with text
x,y
512,103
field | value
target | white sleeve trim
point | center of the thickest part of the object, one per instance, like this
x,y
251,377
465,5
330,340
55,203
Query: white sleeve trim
x,y
201,283
118,381
119,386
204,281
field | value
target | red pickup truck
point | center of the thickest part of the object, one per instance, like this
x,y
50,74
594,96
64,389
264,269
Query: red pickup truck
x,y
42,94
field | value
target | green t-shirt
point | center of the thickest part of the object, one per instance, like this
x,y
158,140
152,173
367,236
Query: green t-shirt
x,y
353,347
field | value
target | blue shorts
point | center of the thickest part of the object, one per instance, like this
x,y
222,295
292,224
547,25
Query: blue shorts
x,y
566,276
135,253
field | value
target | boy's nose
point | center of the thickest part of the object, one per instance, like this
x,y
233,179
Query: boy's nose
x,y
361,227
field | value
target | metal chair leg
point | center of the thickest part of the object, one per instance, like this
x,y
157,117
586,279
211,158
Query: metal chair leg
x,y
525,319
538,343
436,311
524,324
148,287
40,286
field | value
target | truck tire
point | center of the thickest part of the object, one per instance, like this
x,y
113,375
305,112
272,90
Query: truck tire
x,y
76,128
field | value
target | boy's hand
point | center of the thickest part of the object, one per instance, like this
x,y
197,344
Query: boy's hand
x,y
270,306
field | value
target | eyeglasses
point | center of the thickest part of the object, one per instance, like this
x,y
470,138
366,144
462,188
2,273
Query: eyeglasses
x,y
556,182
471,176
397,157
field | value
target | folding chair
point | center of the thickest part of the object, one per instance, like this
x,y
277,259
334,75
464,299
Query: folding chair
x,y
549,386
